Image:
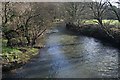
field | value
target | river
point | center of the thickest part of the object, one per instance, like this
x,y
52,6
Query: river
x,y
67,55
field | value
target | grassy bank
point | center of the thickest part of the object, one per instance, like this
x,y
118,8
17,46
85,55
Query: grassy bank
x,y
108,22
15,57
94,30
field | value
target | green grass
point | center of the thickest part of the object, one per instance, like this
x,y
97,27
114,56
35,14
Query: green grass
x,y
14,54
110,22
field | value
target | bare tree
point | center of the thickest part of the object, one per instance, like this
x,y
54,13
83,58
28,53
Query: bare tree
x,y
116,10
74,11
30,21
42,22
98,9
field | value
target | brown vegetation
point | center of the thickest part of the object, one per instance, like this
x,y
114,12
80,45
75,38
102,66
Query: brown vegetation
x,y
94,30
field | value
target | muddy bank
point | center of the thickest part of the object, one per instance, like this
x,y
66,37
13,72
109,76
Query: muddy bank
x,y
94,30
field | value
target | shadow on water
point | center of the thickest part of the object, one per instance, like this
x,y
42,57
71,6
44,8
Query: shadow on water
x,y
71,56
71,44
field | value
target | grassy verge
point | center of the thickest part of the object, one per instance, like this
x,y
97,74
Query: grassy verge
x,y
110,22
17,56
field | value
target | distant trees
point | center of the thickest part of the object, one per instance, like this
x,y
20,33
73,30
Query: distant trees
x,y
75,11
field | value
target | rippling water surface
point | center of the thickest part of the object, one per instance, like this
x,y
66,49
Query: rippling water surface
x,y
71,56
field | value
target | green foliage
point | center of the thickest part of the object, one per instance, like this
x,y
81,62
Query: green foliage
x,y
10,54
16,54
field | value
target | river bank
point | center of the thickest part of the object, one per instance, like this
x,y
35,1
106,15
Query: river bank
x,y
94,30
16,57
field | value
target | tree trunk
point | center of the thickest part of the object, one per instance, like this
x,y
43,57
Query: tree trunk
x,y
33,42
105,29
28,39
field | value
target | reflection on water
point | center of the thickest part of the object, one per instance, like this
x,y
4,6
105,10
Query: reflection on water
x,y
71,56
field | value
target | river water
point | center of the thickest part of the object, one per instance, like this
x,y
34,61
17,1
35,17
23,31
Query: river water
x,y
67,55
